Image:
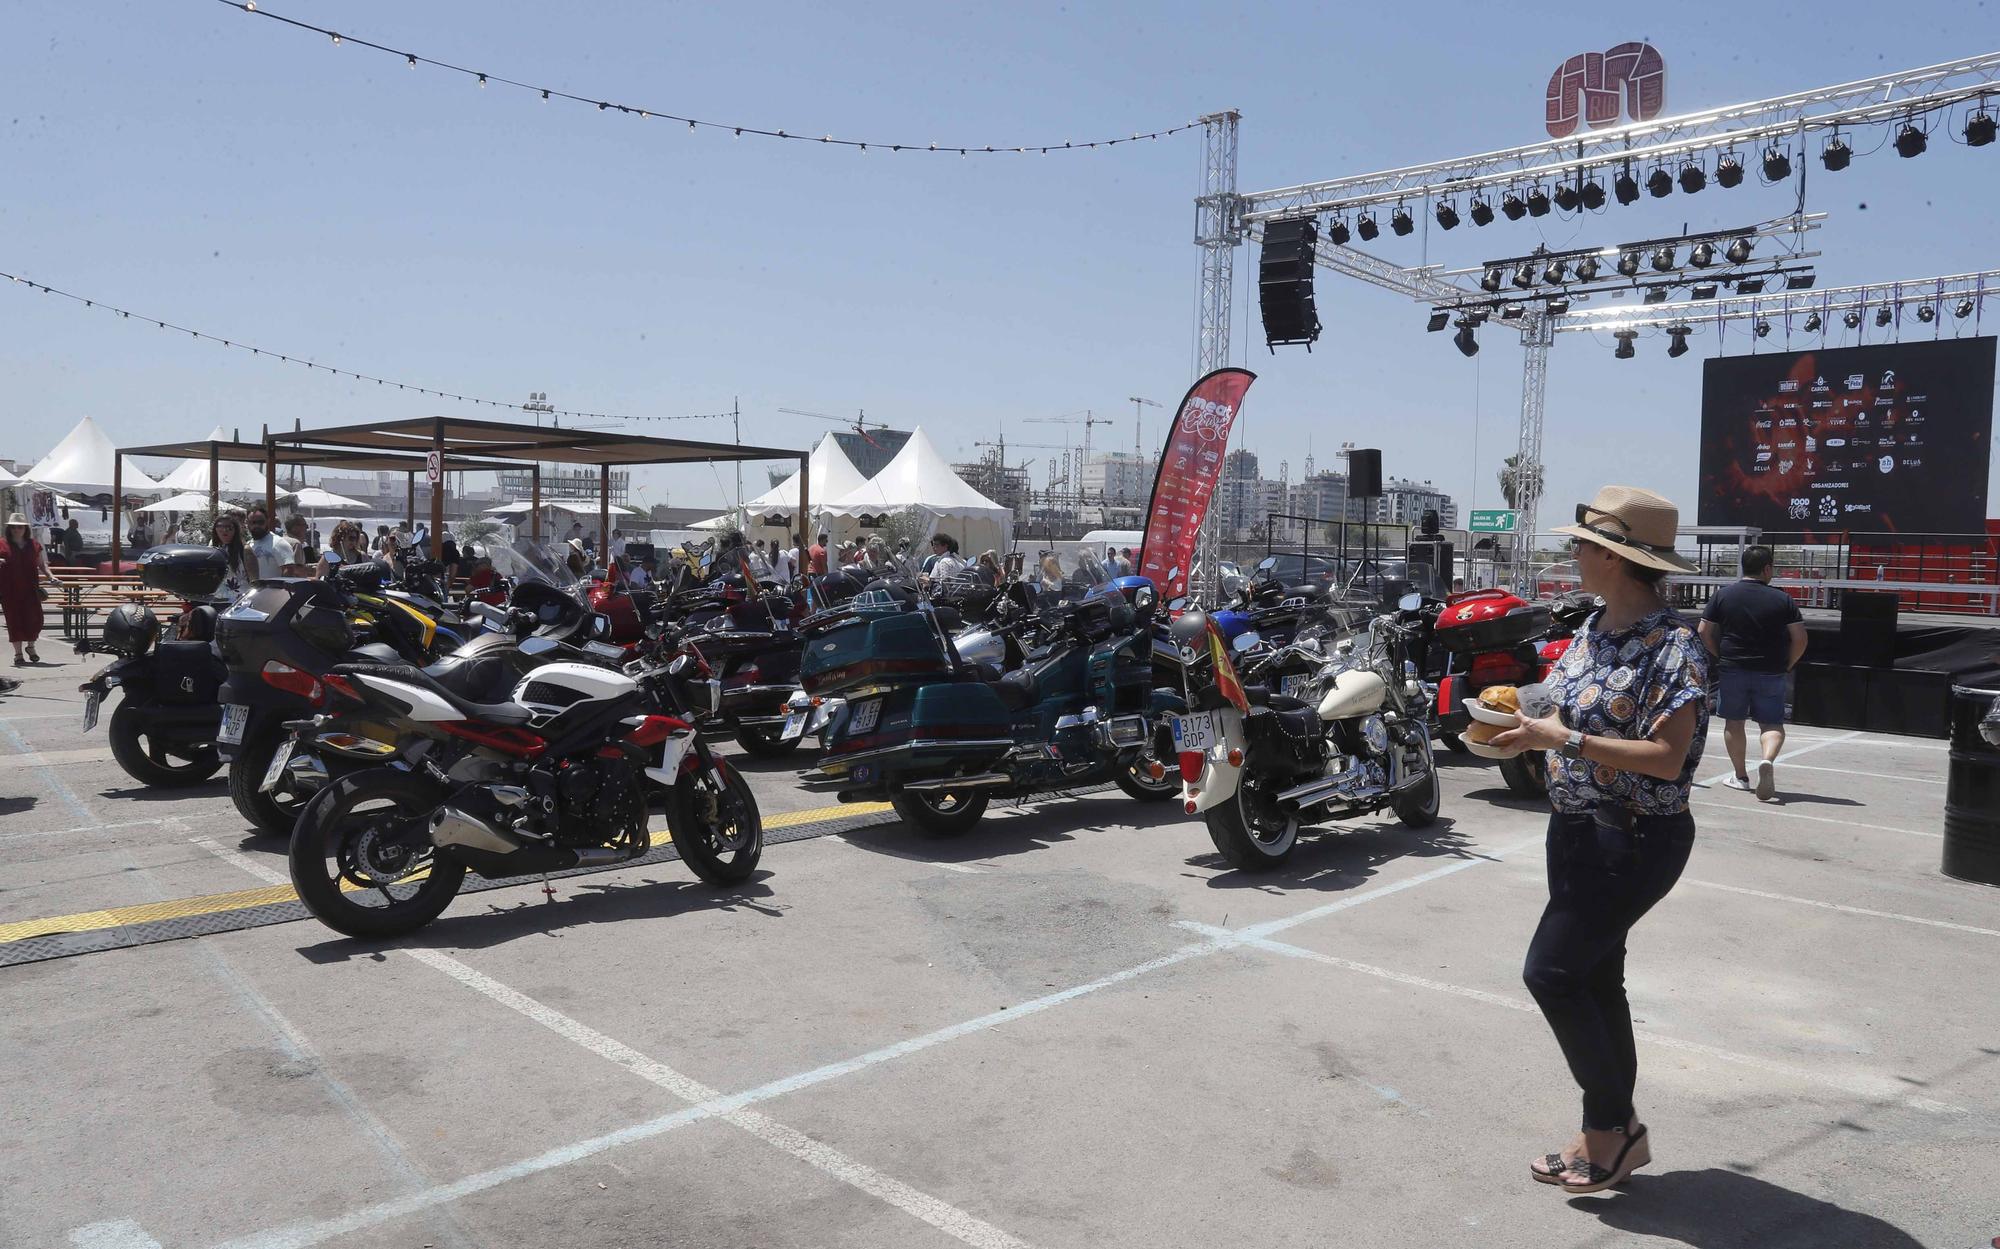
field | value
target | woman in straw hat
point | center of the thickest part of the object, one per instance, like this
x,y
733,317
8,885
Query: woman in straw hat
x,y
1631,699
23,564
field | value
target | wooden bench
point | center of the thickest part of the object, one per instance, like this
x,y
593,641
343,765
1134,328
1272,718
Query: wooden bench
x,y
79,595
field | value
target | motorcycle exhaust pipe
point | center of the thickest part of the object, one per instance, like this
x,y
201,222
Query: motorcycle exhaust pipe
x,y
451,826
985,780
1317,791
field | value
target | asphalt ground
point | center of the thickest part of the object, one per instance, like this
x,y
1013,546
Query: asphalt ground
x,y
1073,1026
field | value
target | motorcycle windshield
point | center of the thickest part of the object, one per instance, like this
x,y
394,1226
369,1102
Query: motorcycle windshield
x,y
525,561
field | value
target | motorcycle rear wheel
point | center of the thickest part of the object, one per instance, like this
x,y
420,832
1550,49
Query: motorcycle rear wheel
x,y
716,826
264,809
1251,831
1527,774
939,812
765,741
146,759
331,850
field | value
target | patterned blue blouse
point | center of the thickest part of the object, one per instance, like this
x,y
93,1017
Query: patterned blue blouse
x,y
1625,684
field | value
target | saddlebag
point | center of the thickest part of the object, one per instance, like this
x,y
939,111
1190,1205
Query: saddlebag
x,y
186,673
901,648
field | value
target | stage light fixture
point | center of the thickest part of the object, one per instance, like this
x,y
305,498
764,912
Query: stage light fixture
x,y
1337,231
1365,226
1624,349
1491,279
1729,170
1447,215
1478,316
1628,263
1963,309
1482,213
1663,259
1883,316
1556,270
1556,307
1679,346
1910,141
1524,274
1468,345
1979,129
1592,195
1538,202
1654,295
1926,313
1813,323
1750,286
1659,184
1400,222
1693,177
1777,165
1851,319
1586,269
1702,254
1738,250
1567,197
1800,281
1439,319
1512,205
1836,154
1704,290
1625,186
1763,329
1513,312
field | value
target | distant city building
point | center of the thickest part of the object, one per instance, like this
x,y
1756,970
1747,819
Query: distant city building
x,y
562,483
1404,502
1118,477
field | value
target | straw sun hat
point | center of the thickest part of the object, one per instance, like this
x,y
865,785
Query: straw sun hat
x,y
1632,523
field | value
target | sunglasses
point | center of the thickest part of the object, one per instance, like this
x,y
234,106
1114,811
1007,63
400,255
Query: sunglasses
x,y
1584,512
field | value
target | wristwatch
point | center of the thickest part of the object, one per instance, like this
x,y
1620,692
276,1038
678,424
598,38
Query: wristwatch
x,y
1573,748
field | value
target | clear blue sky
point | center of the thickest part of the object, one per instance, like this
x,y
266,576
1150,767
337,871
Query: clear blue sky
x,y
180,157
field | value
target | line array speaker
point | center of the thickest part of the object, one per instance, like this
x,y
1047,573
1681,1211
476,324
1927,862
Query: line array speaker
x,y
1285,282
1364,473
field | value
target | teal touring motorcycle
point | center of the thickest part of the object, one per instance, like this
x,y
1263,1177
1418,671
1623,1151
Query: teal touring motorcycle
x,y
1057,694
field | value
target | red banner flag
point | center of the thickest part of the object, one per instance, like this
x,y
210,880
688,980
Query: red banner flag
x,y
1185,484
1226,679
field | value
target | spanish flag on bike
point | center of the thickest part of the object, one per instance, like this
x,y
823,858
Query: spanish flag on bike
x,y
1226,679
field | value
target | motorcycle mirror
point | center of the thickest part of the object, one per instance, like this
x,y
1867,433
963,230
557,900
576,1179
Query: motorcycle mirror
x,y
600,625
1410,602
1246,641
1178,603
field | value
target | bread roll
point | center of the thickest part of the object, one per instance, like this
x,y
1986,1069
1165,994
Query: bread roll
x,y
1501,698
1484,733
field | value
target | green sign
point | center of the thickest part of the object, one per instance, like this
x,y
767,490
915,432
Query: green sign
x,y
1496,521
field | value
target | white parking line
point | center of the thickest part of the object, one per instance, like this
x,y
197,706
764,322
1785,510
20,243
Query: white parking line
x,y
1861,1086
1879,776
117,1234
303,1234
1768,808
1842,907
269,875
1783,757
897,854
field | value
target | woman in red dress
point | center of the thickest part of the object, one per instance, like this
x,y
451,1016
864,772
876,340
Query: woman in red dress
x,y
23,564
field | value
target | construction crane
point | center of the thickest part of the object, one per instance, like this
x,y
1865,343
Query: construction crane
x,y
1085,419
859,423
1139,423
1003,444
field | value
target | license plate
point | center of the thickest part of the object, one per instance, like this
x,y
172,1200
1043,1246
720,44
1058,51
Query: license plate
x,y
714,695
1200,731
279,759
235,718
91,702
795,725
605,649
1296,685
865,716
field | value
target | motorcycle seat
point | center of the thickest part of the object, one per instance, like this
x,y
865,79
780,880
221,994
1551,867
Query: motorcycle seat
x,y
1018,690
1262,696
374,652
492,713
481,678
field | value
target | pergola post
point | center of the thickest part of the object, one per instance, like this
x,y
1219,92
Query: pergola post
x,y
604,516
437,489
214,481
410,500
802,523
271,483
117,503
535,502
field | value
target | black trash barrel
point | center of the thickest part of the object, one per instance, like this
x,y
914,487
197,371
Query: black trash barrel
x,y
1972,792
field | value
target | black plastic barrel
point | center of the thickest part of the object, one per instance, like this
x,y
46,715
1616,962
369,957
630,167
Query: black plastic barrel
x,y
1972,792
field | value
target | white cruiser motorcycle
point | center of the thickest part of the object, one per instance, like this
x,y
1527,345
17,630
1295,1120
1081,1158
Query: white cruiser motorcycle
x,y
1346,741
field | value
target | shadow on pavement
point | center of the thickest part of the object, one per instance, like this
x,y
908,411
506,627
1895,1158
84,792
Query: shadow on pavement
x,y
14,806
1814,800
482,920
218,787
1723,1209
1041,823
1338,857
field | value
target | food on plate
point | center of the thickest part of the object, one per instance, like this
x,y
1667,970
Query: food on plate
x,y
1501,698
1483,733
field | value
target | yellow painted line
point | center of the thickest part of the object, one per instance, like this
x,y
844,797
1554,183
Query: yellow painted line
x,y
244,899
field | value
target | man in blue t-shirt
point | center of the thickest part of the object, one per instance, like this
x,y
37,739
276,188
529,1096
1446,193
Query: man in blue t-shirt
x,y
1754,630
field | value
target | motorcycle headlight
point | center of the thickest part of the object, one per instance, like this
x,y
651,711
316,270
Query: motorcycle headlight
x,y
1376,733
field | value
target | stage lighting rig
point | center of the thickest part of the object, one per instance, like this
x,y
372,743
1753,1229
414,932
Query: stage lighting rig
x,y
1468,345
1555,307
1729,170
1851,319
1625,339
1447,214
1883,316
1663,259
1762,329
1963,309
1800,281
1524,274
1364,225
1979,129
1910,141
1739,250
1702,254
1702,290
1593,195
1538,201
1693,177
1659,184
1439,319
1926,313
1400,222
1656,294
1492,279
1336,230
1836,154
1679,346
1567,197
1512,205
1482,213
1628,264
1625,186
1556,270
1777,165
1749,286
1513,311
1813,323
1586,269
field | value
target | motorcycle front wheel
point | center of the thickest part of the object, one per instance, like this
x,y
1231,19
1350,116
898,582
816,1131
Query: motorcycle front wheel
x,y
351,861
1418,806
1250,829
938,812
152,760
715,825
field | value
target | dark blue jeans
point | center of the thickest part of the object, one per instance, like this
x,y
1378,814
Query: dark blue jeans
x,y
1601,881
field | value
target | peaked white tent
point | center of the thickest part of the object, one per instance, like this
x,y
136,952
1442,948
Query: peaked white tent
x,y
233,476
81,463
921,481
832,475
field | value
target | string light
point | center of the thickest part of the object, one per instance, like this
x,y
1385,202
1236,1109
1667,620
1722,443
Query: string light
x,y
337,371
416,58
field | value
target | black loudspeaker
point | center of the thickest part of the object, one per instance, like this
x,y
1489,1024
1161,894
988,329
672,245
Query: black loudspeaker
x,y
1364,473
1868,627
1436,552
1830,696
1285,282
1915,701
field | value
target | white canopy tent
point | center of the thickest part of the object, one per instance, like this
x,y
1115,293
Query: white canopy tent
x,y
82,463
187,501
833,475
574,507
920,481
233,477
312,499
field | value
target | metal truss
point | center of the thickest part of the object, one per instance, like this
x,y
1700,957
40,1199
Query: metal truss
x,y
1537,335
1941,294
1218,231
1871,100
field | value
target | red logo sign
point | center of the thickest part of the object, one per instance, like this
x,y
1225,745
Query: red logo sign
x,y
1189,469
1591,85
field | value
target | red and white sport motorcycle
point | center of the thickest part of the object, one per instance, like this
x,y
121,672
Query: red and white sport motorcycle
x,y
566,773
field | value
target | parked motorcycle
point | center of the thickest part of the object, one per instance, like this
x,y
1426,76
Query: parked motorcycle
x,y
1492,637
1258,764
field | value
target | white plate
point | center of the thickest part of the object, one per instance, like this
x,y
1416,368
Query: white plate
x,y
1489,752
1486,715
281,757
91,701
865,716
1198,732
235,718
795,726
1296,685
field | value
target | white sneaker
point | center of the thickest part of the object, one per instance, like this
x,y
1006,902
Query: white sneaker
x,y
1767,784
1737,782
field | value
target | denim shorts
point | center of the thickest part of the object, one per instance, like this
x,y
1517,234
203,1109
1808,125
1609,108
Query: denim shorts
x,y
1751,695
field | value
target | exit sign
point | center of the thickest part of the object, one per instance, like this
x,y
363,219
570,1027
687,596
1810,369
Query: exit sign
x,y
1495,521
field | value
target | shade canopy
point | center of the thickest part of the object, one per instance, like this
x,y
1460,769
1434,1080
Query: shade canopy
x,y
83,461
231,476
314,499
920,481
833,475
574,507
187,501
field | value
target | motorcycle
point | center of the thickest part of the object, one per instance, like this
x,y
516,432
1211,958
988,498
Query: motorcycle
x,y
1257,764
1492,637
560,774
939,737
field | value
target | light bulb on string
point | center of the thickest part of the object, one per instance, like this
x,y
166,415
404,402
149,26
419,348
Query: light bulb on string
x,y
482,80
334,35
412,59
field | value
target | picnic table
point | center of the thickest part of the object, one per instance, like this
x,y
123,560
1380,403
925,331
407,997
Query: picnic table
x,y
80,594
